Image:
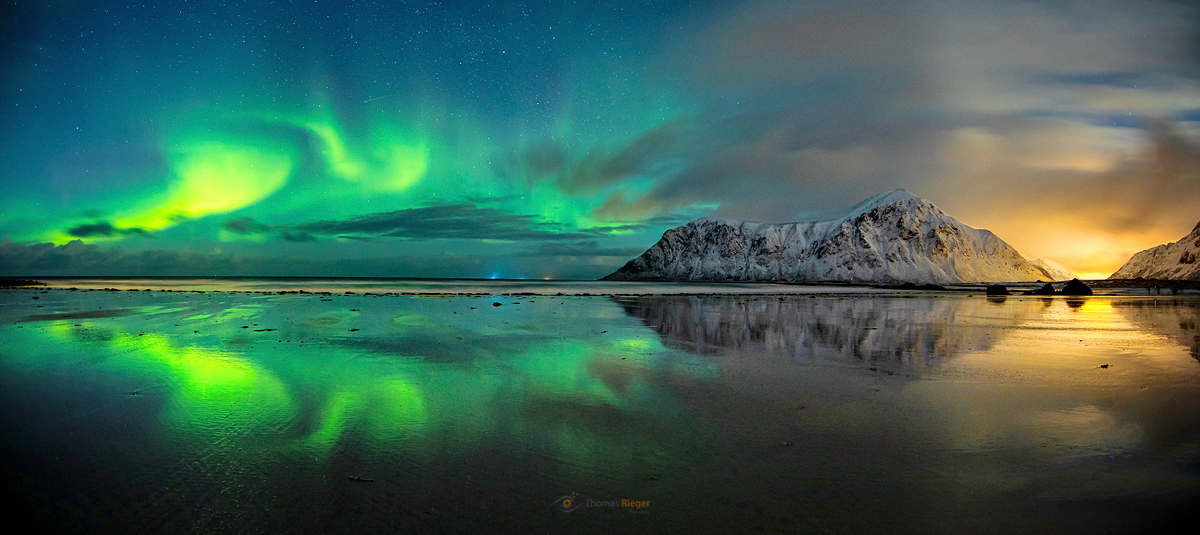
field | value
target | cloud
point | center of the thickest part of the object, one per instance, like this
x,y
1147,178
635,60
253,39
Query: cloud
x,y
76,258
779,172
587,171
106,230
636,158
759,45
1089,209
304,237
245,225
450,221
1049,122
1122,192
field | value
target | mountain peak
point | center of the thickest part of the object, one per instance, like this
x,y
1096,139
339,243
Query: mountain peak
x,y
893,196
896,196
891,237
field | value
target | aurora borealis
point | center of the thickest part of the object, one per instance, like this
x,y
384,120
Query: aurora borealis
x,y
559,139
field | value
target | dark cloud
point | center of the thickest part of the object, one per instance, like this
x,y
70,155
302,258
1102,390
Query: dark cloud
x,y
777,172
461,221
245,225
596,168
104,229
93,229
79,259
452,221
637,158
305,237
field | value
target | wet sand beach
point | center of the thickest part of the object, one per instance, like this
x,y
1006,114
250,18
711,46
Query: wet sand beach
x,y
463,410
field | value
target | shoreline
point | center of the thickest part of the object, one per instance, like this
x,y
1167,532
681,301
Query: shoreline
x,y
649,290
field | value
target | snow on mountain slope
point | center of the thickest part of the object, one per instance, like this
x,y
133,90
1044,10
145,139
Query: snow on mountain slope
x,y
889,238
1179,261
1053,270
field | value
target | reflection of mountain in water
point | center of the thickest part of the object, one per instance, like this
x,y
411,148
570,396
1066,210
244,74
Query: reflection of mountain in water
x,y
1177,319
896,333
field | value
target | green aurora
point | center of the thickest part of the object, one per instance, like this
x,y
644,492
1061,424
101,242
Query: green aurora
x,y
557,140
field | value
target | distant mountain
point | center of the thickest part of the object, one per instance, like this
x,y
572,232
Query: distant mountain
x,y
889,238
1179,260
1053,270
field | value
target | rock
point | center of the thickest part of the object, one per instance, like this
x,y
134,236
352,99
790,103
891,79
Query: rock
x,y
912,286
1075,287
997,289
1048,289
13,283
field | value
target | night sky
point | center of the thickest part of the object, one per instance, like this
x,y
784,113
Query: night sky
x,y
560,139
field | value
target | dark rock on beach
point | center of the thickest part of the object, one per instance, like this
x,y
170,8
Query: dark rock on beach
x,y
1048,289
15,283
1076,287
997,289
914,286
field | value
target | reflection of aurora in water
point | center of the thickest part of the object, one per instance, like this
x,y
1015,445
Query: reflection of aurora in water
x,y
222,411
434,372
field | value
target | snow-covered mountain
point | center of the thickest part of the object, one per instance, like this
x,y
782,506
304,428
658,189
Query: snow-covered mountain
x,y
1053,270
889,238
1179,260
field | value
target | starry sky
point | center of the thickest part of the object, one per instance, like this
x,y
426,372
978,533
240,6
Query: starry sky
x,y
559,139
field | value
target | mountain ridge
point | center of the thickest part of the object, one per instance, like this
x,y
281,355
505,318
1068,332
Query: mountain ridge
x,y
1053,270
1178,260
892,237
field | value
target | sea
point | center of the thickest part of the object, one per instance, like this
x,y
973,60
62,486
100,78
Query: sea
x,y
260,405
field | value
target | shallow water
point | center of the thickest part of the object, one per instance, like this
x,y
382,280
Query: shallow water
x,y
443,286
169,412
